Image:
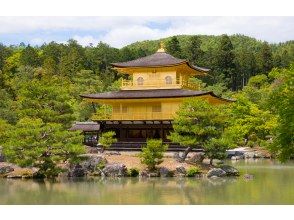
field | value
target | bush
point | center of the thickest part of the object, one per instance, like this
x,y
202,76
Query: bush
x,y
107,139
101,165
191,172
152,153
133,172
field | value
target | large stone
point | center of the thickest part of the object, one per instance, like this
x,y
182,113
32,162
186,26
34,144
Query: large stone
x,y
230,171
22,173
197,158
180,171
217,162
218,172
92,162
165,172
249,155
5,170
143,174
235,158
115,170
154,174
177,157
2,159
77,171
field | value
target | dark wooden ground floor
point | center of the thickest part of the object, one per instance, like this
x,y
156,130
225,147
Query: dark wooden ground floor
x,y
138,131
132,135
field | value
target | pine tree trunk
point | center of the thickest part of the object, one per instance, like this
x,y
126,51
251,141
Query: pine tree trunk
x,y
210,161
185,153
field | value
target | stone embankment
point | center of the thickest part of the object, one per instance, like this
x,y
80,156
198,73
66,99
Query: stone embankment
x,y
126,165
248,153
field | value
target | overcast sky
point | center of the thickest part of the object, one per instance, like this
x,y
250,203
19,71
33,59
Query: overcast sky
x,y
120,31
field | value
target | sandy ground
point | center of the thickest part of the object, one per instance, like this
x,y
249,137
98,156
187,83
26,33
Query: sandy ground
x,y
132,160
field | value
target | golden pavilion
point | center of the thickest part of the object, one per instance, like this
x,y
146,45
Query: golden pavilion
x,y
145,105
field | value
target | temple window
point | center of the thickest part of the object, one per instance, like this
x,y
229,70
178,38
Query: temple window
x,y
124,109
168,80
140,81
116,109
156,108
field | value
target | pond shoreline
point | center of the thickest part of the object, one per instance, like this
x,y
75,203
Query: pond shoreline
x,y
126,164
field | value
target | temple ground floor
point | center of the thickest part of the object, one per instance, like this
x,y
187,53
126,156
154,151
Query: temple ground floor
x,y
132,135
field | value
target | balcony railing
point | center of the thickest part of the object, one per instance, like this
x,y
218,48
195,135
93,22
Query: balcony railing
x,y
159,84
136,116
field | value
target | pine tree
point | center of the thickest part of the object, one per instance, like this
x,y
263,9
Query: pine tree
x,y
226,61
31,142
266,57
194,51
29,57
173,47
200,124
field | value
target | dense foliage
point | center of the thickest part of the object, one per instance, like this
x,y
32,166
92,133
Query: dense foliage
x,y
45,146
43,84
198,123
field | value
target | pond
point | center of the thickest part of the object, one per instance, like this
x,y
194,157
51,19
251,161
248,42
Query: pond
x,y
272,184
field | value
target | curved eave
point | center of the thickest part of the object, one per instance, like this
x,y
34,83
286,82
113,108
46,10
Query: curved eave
x,y
92,98
197,70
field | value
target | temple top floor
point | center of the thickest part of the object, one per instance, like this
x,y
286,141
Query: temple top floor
x,y
158,71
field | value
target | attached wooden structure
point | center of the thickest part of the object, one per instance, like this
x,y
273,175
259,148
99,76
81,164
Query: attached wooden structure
x,y
90,131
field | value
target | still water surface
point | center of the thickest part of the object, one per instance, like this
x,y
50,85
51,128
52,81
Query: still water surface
x,y
273,183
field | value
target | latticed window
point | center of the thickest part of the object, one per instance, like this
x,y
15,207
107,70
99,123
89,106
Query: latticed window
x,y
124,109
168,80
156,108
116,109
140,81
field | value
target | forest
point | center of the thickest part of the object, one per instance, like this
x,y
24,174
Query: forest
x,y
40,88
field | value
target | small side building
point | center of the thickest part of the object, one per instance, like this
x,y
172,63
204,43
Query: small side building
x,y
90,130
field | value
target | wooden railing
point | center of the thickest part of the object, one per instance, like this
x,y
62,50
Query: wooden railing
x,y
159,84
137,116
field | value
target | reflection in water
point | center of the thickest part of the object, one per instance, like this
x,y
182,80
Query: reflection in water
x,y
272,184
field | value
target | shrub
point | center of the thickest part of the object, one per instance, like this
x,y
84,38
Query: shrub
x,y
152,153
101,165
133,172
107,139
191,172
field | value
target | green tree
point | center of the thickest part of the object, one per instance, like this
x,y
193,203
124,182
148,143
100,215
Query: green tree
x,y
226,61
199,124
5,52
4,127
281,102
127,54
249,124
31,142
107,139
195,53
152,153
72,59
173,47
7,107
30,57
48,98
266,58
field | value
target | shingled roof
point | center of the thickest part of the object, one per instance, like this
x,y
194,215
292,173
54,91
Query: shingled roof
x,y
85,126
152,93
157,59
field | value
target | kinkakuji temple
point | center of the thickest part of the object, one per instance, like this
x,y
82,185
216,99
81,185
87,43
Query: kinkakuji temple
x,y
145,105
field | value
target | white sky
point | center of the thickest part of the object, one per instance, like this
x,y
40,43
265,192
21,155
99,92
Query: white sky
x,y
120,31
